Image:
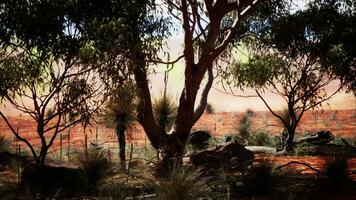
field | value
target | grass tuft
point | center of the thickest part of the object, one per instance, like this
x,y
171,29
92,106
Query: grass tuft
x,y
183,183
261,178
337,168
95,165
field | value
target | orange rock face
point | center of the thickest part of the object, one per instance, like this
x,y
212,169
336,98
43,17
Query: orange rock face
x,y
342,123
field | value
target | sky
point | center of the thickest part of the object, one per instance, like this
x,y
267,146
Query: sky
x,y
223,102
220,101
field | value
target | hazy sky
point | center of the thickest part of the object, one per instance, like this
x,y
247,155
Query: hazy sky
x,y
219,100
226,102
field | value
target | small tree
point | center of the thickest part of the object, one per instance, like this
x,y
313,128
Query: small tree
x,y
120,114
301,82
40,63
296,55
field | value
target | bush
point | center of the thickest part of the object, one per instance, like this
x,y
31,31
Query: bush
x,y
95,166
261,178
209,109
261,138
244,128
236,138
183,183
4,144
337,168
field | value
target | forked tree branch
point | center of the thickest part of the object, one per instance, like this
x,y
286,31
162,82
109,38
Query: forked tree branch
x,y
18,136
204,96
270,109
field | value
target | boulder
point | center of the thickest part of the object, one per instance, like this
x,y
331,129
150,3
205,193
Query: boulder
x,y
262,149
49,180
199,139
230,156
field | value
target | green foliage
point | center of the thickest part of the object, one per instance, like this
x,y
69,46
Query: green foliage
x,y
324,31
244,128
261,138
95,166
121,108
183,183
165,111
254,73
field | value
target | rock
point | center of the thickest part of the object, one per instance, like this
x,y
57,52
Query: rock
x,y
231,156
199,139
262,149
49,180
320,137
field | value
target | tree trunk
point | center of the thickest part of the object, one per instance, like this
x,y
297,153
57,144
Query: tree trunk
x,y
122,143
172,153
42,157
289,140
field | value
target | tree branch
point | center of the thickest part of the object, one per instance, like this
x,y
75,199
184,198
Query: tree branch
x,y
204,96
300,163
19,137
270,109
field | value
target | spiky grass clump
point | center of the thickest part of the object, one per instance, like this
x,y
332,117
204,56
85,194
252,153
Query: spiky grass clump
x,y
183,183
117,191
165,111
245,125
262,139
337,168
261,177
95,166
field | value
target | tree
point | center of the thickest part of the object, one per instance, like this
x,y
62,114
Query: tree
x,y
41,62
120,114
333,23
283,60
214,25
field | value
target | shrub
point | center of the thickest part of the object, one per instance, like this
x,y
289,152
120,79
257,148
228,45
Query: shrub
x,y
337,168
95,166
4,144
261,138
116,191
260,178
236,138
209,109
244,127
183,183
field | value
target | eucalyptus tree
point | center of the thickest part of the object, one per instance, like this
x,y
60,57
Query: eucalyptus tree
x,y
43,70
297,55
209,29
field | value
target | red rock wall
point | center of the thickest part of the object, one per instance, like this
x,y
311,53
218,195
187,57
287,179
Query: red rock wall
x,y
340,122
